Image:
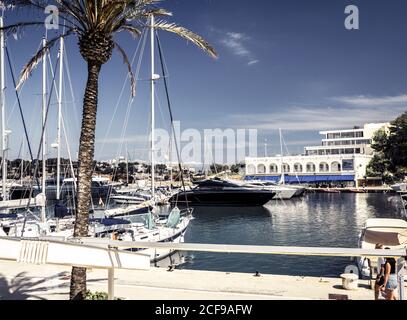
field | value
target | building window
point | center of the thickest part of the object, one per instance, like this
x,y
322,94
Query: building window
x,y
261,169
335,166
336,135
311,152
310,167
298,167
286,168
251,169
323,167
347,165
348,134
273,168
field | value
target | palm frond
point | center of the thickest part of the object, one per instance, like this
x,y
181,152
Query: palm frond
x,y
127,62
37,58
188,35
157,12
15,28
135,32
145,13
12,4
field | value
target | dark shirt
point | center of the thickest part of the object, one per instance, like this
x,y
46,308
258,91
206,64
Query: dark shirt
x,y
392,263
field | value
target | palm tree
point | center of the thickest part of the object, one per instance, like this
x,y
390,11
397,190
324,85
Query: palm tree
x,y
95,23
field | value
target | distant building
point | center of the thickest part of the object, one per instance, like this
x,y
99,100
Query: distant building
x,y
341,158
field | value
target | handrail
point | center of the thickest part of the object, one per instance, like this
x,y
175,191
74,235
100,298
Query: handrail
x,y
62,252
251,249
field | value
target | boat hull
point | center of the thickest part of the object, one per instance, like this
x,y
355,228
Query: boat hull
x,y
223,198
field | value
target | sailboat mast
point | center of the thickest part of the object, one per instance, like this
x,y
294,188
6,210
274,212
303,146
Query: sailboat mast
x,y
61,70
22,162
282,180
152,109
127,167
44,107
3,113
170,159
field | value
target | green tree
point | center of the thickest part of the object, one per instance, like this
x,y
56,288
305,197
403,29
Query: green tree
x,y
396,149
391,151
95,24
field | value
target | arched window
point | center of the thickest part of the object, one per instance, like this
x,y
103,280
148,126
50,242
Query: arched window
x,y
273,168
298,167
323,167
261,169
286,167
251,169
310,167
335,166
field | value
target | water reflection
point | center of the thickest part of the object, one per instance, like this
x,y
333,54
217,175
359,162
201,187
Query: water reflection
x,y
330,220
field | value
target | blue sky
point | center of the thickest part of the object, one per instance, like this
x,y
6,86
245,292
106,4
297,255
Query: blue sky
x,y
288,64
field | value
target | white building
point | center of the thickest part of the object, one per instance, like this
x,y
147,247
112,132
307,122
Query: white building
x,y
341,158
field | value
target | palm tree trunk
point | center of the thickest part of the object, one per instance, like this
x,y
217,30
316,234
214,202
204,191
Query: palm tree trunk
x,y
85,159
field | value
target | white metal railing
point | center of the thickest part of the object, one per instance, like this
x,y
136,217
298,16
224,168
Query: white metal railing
x,y
229,248
57,251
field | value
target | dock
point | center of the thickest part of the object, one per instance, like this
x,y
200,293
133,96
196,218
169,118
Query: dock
x,y
27,281
352,190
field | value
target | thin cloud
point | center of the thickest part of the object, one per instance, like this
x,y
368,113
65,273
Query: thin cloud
x,y
314,119
373,101
237,43
252,62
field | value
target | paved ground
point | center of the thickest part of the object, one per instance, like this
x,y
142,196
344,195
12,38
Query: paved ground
x,y
24,281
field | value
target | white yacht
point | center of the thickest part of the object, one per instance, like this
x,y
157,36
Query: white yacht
x,y
283,192
392,233
400,187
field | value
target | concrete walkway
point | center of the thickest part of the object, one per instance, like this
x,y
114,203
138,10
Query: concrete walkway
x,y
24,281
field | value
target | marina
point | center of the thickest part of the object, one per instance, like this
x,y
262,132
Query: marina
x,y
107,198
268,225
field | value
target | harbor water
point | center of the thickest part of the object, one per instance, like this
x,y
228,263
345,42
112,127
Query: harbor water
x,y
316,220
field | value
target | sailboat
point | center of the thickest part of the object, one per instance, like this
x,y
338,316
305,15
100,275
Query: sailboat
x,y
299,189
125,224
6,203
168,228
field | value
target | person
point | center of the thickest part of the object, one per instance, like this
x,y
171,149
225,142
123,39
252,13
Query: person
x,y
380,273
390,278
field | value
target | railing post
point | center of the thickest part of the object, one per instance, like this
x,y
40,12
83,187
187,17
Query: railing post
x,y
110,284
400,278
